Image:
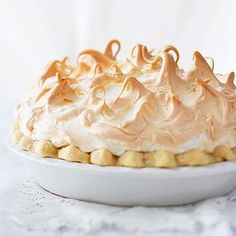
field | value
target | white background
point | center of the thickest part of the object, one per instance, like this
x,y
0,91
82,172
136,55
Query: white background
x,y
32,33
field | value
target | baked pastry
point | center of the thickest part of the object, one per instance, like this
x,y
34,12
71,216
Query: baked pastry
x,y
144,112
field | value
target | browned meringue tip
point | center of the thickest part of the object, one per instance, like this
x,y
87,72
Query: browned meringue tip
x,y
109,49
230,80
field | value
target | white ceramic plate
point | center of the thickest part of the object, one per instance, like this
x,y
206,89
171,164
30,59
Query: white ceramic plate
x,y
127,186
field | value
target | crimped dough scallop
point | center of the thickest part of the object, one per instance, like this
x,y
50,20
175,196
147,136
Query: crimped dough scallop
x,y
72,153
45,148
102,157
160,159
131,159
223,153
194,157
26,143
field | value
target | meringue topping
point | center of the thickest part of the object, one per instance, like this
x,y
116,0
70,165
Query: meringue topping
x,y
146,103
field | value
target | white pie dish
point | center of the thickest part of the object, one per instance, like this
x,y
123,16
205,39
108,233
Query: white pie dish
x,y
128,186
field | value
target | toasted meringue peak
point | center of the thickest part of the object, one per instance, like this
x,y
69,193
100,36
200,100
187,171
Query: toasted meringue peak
x,y
147,103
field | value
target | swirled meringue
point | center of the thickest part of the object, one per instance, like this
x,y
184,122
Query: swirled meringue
x,y
146,103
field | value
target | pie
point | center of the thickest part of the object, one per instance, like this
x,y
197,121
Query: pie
x,y
142,112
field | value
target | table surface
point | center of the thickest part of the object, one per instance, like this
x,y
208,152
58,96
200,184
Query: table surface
x,y
13,173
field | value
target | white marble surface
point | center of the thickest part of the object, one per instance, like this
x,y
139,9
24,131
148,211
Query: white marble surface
x,y
13,174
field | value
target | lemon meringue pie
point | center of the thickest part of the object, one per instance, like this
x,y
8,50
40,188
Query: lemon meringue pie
x,y
143,112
